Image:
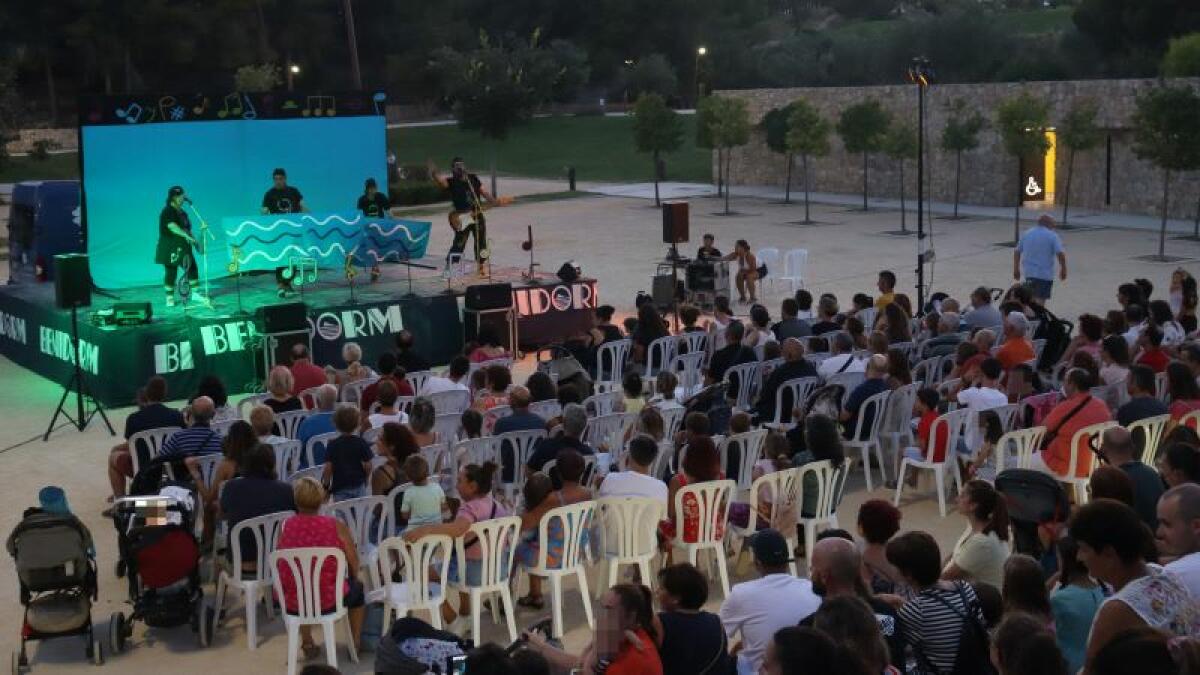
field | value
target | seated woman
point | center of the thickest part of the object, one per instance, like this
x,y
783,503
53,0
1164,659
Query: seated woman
x,y
212,387
981,551
240,440
758,332
878,522
650,327
624,641
309,529
570,467
355,370
255,493
499,379
822,441
1114,360
1089,338
701,464
388,397
421,418
395,443
279,386
541,387
1185,394
488,346
475,491
690,640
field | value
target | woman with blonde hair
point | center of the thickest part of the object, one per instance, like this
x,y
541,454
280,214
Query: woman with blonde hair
x,y
354,371
279,386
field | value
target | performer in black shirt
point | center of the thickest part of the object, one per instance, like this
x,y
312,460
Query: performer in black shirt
x,y
467,195
282,198
175,242
373,203
708,250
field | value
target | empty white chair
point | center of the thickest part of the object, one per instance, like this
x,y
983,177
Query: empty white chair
x,y
952,425
415,590
606,433
672,420
308,398
288,423
351,392
1151,435
794,263
897,427
866,435
930,371
520,444
770,257
1015,448
287,457
365,518
707,505
659,356
497,541
781,489
740,383
830,484
792,394
477,451
629,526
603,403
448,427
576,522
454,401
695,341
1083,458
304,567
610,364
255,585
688,369
144,446
418,378
749,447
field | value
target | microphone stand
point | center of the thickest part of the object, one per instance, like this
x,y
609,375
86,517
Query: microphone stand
x,y
205,235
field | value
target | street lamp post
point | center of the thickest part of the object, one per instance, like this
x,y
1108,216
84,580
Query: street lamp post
x,y
292,71
700,51
920,73
352,41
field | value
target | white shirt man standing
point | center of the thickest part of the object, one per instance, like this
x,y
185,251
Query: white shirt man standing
x,y
756,609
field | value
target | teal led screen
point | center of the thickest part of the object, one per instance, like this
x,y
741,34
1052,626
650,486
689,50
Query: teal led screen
x,y
225,167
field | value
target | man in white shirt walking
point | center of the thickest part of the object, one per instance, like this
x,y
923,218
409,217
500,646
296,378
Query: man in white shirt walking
x,y
756,609
1179,534
635,480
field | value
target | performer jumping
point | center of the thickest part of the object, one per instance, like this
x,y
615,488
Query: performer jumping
x,y
175,243
467,195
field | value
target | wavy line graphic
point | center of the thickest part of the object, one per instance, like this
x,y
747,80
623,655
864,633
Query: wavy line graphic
x,y
317,252
312,222
281,235
399,226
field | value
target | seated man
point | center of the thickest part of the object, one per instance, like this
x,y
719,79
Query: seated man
x,y
305,373
198,438
520,419
1017,348
1117,447
321,420
574,421
790,326
1142,403
1179,533
983,313
1078,410
407,356
732,354
635,480
947,338
794,366
876,382
842,361
152,414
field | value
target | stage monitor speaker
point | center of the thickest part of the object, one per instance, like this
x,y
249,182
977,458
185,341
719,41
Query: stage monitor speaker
x,y
665,290
284,318
675,222
473,321
72,281
485,297
277,350
131,313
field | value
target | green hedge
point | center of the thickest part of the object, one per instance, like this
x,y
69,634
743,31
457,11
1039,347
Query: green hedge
x,y
413,194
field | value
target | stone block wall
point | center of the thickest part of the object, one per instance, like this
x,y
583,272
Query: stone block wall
x,y
60,139
989,174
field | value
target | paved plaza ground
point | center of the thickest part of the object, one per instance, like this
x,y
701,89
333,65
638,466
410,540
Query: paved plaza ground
x,y
617,240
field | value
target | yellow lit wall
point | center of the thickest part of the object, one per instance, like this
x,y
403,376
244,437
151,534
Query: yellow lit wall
x,y
1051,158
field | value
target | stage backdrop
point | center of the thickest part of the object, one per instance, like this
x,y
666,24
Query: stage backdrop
x,y
222,150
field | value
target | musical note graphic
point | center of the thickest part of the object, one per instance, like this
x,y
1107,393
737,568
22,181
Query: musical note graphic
x,y
313,106
235,262
165,104
178,112
289,105
378,99
201,107
250,113
301,271
235,109
131,113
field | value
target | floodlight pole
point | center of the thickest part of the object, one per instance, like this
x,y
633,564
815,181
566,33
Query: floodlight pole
x,y
919,73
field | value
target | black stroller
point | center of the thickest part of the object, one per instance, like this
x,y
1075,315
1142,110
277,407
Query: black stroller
x,y
161,557
1034,500
57,569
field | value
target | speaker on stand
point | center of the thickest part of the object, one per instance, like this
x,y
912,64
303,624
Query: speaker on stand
x,y
283,326
491,305
675,232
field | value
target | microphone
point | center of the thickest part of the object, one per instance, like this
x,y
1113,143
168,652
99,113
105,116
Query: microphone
x,y
187,200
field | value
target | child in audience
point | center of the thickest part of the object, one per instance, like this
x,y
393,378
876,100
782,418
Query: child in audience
x,y
424,501
472,423
925,410
631,387
664,386
777,456
984,464
347,458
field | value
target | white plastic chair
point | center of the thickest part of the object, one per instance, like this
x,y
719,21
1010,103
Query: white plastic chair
x,y
305,566
629,527
897,424
351,392
1019,444
548,409
782,489
253,585
308,398
415,591
576,522
287,457
741,381
495,414
696,342
418,378
711,500
1083,458
849,382
688,369
795,261
314,472
606,432
955,423
749,445
770,257
477,451
454,401
289,422
1008,416
366,518
448,427
867,437
794,392
931,371
497,541
1161,392
831,485
659,356
222,426
150,441
610,364
672,420
604,403
246,404
520,444
1152,433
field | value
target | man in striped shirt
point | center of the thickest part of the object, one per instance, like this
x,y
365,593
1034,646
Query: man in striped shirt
x,y
198,438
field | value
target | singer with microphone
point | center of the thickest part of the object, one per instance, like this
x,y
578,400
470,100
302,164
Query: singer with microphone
x,y
175,243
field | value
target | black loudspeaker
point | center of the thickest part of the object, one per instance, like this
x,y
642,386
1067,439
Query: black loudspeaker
x,y
131,313
666,290
675,222
72,281
484,297
499,320
284,318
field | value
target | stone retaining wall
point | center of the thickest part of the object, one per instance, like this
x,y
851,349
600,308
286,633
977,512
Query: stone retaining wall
x,y
60,139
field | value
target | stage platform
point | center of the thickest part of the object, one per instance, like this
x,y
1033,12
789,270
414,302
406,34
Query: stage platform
x,y
184,345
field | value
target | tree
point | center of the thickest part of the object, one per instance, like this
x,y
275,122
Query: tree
x,y
961,134
901,145
259,78
1166,133
705,112
656,129
1078,132
863,127
1021,121
774,126
1183,57
730,129
651,75
807,136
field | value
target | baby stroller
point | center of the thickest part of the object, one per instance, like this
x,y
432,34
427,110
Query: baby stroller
x,y
162,562
57,571
1035,500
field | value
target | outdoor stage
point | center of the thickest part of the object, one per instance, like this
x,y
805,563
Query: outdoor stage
x,y
184,346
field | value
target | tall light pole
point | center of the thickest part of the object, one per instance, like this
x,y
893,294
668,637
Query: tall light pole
x,y
700,51
352,40
292,71
920,73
